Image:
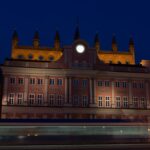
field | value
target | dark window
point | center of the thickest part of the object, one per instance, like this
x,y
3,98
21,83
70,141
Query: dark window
x,y
51,81
59,81
20,80
12,80
39,81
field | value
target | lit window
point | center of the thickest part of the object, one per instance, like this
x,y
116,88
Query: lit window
x,y
11,98
100,102
125,102
107,101
59,100
100,83
76,100
32,80
135,102
107,83
59,81
142,102
12,80
39,99
51,100
118,102
20,80
51,81
84,83
39,81
31,99
20,98
84,101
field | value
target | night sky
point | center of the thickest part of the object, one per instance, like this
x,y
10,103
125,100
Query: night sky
x,y
124,18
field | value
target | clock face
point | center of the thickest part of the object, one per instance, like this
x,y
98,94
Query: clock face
x,y
80,48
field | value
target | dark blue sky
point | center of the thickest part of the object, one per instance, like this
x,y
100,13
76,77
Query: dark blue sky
x,y
120,17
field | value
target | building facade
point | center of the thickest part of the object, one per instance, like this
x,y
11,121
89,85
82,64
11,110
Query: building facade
x,y
75,81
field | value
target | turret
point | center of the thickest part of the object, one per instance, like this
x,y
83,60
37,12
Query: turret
x,y
131,45
15,39
36,40
97,42
57,41
77,33
114,44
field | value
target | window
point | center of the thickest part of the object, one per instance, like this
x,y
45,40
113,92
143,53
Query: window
x,y
84,83
51,99
32,80
141,85
20,98
11,98
100,103
30,56
125,102
51,58
84,101
20,80
100,83
142,102
117,84
59,100
107,101
76,100
51,81
134,85
20,57
118,102
59,81
75,82
41,58
107,83
31,99
124,84
39,81
12,80
135,102
39,99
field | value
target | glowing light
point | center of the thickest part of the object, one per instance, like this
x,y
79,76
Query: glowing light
x,y
80,48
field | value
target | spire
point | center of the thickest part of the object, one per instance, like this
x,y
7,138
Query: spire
x,y
77,31
36,39
57,41
114,44
15,39
96,42
131,45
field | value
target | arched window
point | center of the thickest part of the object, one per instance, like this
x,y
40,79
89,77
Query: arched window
x,y
51,58
30,56
41,58
20,56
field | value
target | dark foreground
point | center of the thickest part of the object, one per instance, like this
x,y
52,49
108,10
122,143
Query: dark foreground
x,y
78,147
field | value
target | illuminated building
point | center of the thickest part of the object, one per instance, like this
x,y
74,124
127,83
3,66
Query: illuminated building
x,y
74,81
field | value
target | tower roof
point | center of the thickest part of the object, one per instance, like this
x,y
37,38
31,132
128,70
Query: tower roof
x,y
77,33
57,37
15,35
36,35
